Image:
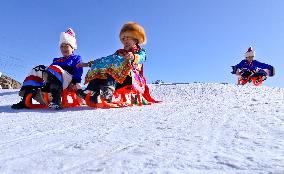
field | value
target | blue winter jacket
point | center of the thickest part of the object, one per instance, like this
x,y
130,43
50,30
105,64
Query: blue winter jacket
x,y
254,65
69,65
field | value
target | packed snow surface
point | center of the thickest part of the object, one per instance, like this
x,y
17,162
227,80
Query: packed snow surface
x,y
198,128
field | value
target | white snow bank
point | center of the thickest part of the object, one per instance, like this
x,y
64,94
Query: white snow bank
x,y
198,128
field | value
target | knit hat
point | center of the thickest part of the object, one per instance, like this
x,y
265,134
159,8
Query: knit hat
x,y
250,52
68,37
134,30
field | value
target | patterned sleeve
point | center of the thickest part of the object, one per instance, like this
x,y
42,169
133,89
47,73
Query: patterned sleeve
x,y
140,57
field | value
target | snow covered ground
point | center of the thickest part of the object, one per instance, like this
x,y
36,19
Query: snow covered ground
x,y
198,128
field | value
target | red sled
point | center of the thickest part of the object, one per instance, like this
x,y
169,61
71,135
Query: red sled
x,y
124,97
65,103
255,80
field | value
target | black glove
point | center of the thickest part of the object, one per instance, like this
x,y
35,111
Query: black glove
x,y
272,71
246,73
234,69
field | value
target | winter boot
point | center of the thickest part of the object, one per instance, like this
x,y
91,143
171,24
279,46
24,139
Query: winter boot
x,y
24,93
55,106
56,91
20,105
83,93
107,93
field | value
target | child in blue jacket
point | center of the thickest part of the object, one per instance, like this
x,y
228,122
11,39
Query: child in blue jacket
x,y
251,67
61,74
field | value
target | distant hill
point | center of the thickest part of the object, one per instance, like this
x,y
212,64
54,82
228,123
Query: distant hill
x,y
8,83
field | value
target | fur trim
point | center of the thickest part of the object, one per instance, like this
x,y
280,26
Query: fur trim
x,y
68,39
249,54
135,31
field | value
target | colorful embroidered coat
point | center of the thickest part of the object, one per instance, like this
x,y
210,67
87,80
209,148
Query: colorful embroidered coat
x,y
116,66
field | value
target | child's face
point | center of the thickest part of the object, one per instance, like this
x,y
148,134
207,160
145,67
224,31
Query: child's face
x,y
66,49
128,42
249,58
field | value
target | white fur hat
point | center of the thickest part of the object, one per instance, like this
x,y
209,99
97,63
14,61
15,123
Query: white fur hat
x,y
250,52
68,37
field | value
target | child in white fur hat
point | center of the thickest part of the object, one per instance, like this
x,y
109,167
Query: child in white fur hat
x,y
250,67
61,74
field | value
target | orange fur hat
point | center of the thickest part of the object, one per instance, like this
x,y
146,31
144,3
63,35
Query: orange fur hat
x,y
134,30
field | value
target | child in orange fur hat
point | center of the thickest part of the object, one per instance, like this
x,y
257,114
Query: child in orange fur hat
x,y
116,70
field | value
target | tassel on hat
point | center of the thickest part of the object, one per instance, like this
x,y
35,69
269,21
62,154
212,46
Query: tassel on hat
x,y
250,52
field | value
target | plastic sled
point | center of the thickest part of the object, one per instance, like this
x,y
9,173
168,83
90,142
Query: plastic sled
x,y
255,80
124,97
65,103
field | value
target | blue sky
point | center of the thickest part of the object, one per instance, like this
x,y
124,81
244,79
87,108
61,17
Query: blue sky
x,y
188,40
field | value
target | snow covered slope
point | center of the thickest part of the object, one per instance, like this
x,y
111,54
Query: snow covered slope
x,y
198,128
